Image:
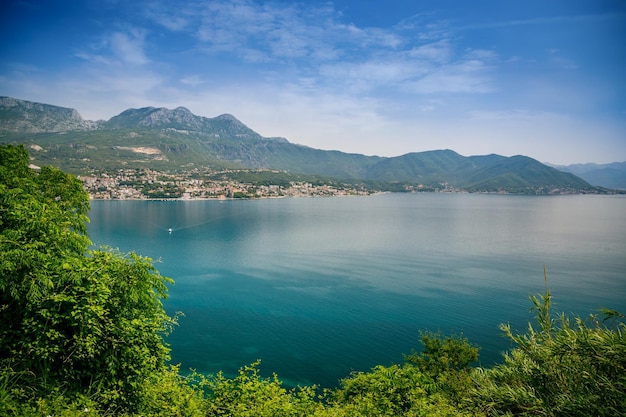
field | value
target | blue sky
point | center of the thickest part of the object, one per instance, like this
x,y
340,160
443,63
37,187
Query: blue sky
x,y
540,78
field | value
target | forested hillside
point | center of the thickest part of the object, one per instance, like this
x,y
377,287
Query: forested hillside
x,y
178,141
82,332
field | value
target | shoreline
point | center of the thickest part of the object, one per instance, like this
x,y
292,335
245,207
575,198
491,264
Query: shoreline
x,y
278,197
91,198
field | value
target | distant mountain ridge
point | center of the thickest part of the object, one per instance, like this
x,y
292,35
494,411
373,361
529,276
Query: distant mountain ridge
x,y
164,139
611,175
27,116
181,119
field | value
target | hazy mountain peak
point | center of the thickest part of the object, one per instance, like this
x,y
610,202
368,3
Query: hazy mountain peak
x,y
181,119
227,116
611,175
182,110
180,116
28,116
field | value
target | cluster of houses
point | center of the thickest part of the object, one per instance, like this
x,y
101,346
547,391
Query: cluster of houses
x,y
131,184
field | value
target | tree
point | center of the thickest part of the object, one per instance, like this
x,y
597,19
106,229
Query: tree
x,y
441,354
72,320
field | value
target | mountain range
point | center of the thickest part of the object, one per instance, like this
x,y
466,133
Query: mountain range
x,y
178,140
611,175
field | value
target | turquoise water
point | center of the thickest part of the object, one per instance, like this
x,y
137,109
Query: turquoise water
x,y
319,287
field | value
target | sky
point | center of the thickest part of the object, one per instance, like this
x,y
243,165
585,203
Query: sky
x,y
542,78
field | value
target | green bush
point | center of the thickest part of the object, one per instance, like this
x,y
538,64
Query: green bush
x,y
250,395
565,367
431,382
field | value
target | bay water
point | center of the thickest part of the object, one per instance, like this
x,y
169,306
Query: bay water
x,y
319,287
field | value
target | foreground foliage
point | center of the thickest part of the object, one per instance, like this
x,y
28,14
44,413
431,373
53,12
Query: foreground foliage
x,y
72,320
565,367
81,333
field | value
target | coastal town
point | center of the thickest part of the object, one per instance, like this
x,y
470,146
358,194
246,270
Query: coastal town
x,y
143,184
198,184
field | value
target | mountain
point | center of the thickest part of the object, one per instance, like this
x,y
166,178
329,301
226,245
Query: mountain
x,y
180,119
473,173
29,117
178,140
611,175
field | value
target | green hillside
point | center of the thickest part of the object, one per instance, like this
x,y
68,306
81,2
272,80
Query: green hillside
x,y
178,141
520,172
432,168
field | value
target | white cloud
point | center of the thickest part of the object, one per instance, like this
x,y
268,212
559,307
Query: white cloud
x,y
313,43
129,47
119,48
602,18
176,21
464,77
277,32
369,75
193,80
440,52
488,115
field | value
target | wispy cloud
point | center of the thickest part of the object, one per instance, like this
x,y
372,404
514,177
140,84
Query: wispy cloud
x,y
122,48
470,76
319,47
280,32
129,47
193,80
548,20
524,115
440,51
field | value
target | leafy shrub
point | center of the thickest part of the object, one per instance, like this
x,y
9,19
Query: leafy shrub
x,y
250,395
566,367
430,383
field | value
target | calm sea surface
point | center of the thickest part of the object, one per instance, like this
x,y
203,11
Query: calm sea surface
x,y
319,287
